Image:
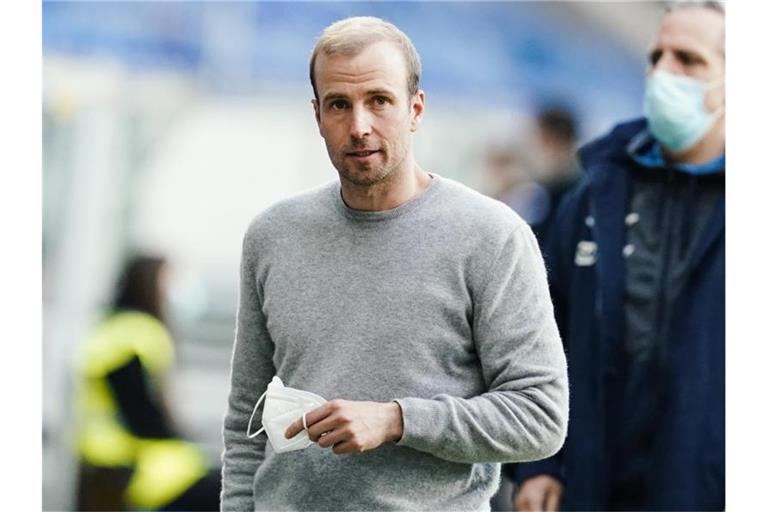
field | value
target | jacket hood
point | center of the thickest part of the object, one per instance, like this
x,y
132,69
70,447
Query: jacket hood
x,y
610,148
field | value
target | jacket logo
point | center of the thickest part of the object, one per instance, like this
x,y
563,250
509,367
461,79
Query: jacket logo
x,y
586,253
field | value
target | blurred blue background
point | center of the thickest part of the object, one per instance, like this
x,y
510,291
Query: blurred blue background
x,y
491,53
168,125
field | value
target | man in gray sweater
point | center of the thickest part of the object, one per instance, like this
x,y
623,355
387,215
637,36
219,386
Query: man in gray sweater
x,y
418,307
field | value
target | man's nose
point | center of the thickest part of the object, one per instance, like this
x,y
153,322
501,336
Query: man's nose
x,y
360,124
667,62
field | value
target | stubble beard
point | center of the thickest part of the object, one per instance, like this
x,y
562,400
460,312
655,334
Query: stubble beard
x,y
367,176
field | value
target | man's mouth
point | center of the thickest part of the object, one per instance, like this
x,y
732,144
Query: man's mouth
x,y
362,154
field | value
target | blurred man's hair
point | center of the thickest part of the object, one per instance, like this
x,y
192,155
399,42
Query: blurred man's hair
x,y
138,288
558,122
706,4
715,6
350,36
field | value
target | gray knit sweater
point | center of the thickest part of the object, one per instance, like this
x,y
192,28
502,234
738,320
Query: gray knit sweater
x,y
440,304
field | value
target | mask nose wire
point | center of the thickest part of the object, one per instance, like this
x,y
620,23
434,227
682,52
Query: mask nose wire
x,y
250,420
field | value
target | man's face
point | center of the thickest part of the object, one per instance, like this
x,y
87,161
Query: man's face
x,y
690,42
365,113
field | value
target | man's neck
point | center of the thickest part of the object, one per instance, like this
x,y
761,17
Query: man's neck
x,y
391,193
706,150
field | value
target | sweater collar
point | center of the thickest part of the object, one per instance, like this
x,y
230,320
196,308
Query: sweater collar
x,y
377,216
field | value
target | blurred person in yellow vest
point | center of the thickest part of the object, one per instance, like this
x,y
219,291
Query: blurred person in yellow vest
x,y
131,455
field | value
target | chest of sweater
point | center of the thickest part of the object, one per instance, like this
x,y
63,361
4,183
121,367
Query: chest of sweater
x,y
372,313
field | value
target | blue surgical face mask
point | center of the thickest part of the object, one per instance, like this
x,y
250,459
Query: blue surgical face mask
x,y
675,109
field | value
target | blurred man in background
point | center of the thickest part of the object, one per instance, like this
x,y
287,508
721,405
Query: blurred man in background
x,y
130,451
637,260
554,166
531,173
419,301
510,181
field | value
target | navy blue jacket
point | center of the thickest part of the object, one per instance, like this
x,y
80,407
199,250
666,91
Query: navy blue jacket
x,y
688,457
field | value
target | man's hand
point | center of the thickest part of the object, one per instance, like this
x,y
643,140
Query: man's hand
x,y
540,493
350,426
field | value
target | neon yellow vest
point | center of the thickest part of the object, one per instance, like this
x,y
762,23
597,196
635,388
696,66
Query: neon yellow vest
x,y
163,468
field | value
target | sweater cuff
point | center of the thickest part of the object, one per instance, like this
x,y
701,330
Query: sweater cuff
x,y
418,426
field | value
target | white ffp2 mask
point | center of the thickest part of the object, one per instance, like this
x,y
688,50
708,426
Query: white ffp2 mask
x,y
283,406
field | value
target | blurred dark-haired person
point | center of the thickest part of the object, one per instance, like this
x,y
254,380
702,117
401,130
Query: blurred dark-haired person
x,y
637,259
509,181
554,166
131,454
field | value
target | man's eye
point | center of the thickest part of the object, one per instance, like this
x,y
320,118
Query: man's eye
x,y
380,100
690,59
338,105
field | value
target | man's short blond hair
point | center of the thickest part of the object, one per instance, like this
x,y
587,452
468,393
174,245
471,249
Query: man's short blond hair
x,y
351,35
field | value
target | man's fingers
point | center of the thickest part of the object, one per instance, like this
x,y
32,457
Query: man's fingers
x,y
552,500
345,447
321,412
536,502
327,424
294,428
311,418
530,497
332,438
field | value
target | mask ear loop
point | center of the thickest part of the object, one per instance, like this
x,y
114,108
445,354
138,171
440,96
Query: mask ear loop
x,y
250,420
717,82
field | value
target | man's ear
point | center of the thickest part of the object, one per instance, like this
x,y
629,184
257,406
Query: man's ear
x,y
316,108
417,109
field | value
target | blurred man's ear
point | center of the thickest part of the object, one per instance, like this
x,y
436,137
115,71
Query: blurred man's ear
x,y
417,109
316,108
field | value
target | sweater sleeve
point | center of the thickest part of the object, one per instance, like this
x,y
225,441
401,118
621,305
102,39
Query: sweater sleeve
x,y
251,371
559,249
523,414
